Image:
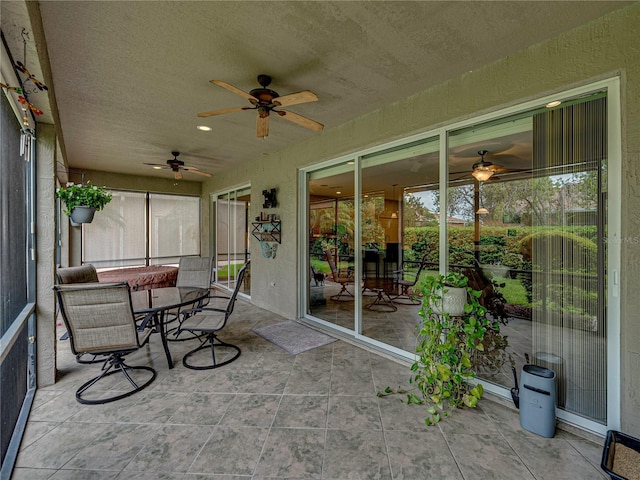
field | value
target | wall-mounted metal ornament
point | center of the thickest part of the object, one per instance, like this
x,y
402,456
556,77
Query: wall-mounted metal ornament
x,y
269,198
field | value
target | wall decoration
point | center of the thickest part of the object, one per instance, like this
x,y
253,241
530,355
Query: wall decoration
x,y
268,249
269,198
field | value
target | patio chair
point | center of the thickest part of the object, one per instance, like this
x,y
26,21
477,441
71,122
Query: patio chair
x,y
82,274
192,272
208,321
404,281
100,321
343,278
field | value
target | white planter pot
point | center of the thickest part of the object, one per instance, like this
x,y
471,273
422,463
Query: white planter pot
x,y
82,214
452,302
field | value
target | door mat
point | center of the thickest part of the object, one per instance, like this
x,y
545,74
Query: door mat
x,y
293,337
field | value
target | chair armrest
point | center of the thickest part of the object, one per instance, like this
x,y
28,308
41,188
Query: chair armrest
x,y
218,296
191,311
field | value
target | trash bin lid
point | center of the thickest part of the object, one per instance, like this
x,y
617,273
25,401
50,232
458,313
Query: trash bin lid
x,y
539,371
548,357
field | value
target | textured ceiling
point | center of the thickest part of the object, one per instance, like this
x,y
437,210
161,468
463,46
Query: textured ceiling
x,y
129,77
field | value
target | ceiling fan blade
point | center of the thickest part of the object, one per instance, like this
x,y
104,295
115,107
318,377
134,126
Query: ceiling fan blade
x,y
177,174
300,120
196,171
262,127
223,111
157,165
501,169
235,90
304,96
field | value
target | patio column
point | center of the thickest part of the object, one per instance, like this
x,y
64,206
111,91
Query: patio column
x,y
45,254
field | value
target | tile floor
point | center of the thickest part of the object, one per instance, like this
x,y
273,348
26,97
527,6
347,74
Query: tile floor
x,y
271,415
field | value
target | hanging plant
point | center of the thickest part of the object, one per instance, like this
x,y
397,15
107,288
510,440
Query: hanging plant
x,y
78,195
446,345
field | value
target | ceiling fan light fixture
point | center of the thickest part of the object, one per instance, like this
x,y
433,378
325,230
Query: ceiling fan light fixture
x,y
482,173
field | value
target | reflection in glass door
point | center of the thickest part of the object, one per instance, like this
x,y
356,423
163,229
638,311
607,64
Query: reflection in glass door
x,y
531,236
331,258
400,238
522,213
231,211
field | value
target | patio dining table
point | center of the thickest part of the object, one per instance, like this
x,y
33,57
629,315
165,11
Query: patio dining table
x,y
142,278
154,304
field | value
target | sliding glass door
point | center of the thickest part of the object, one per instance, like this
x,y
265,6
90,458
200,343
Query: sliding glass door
x,y
519,203
231,214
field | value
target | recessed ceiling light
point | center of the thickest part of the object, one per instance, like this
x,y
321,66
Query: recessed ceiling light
x,y
350,162
157,168
338,193
555,103
204,128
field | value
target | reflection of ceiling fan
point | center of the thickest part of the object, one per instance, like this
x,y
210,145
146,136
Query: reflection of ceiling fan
x,y
177,165
266,101
484,169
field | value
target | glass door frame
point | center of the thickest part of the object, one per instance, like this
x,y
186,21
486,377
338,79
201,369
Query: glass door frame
x,y
213,214
614,240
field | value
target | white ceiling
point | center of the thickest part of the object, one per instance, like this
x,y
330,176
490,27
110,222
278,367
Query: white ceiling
x,y
129,77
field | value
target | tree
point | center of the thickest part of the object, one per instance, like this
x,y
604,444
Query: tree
x,y
416,214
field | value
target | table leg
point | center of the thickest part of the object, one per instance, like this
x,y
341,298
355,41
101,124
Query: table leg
x,y
160,324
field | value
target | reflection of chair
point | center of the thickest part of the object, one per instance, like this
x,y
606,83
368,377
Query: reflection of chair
x,y
343,278
405,280
100,321
393,256
209,321
491,298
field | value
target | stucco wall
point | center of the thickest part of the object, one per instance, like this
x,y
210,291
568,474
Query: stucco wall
x,y
45,259
604,48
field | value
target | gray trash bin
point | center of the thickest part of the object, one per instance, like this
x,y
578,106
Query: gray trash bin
x,y
538,400
555,363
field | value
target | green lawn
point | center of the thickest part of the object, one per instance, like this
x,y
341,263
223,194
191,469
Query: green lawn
x,y
513,290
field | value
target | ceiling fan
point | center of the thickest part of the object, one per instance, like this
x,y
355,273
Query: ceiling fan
x,y
177,166
484,169
265,101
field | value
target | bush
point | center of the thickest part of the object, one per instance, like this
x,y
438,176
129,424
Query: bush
x,y
564,251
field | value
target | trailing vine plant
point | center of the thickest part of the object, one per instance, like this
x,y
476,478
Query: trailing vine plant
x,y
443,370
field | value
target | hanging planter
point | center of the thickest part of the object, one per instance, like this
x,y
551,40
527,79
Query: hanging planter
x,y
82,214
82,201
452,301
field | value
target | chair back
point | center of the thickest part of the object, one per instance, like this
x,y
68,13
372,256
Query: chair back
x,y
83,274
239,279
332,265
194,272
423,264
98,317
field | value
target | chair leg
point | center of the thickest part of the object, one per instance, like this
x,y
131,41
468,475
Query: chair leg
x,y
343,292
84,358
406,297
211,342
114,364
